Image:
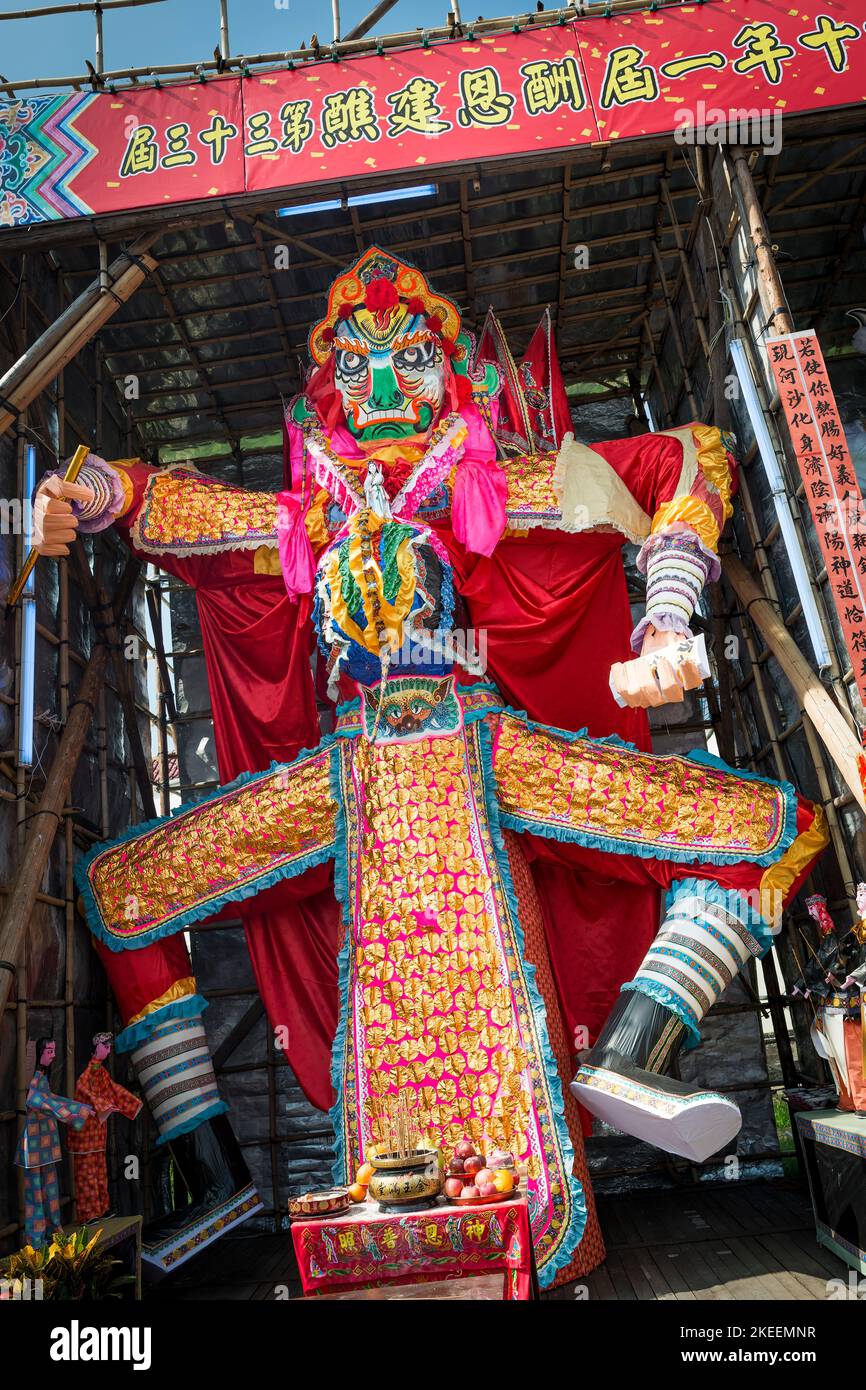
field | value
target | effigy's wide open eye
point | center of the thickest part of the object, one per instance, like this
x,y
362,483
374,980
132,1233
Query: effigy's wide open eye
x,y
350,363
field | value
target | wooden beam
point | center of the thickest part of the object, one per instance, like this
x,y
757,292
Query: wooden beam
x,y
814,700
75,327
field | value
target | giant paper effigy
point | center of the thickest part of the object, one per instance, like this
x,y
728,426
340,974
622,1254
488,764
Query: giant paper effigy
x,y
433,792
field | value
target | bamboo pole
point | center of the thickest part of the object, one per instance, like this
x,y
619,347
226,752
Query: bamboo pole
x,y
75,327
686,271
814,700
45,820
68,829
769,280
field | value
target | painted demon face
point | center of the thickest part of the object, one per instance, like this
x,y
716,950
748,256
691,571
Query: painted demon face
x,y
390,373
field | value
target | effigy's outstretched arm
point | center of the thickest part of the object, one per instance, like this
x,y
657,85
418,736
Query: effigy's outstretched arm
x,y
142,890
730,848
172,515
669,493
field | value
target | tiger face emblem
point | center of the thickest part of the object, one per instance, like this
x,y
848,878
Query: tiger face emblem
x,y
410,708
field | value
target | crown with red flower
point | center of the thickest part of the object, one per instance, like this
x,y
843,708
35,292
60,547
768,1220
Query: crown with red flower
x,y
377,282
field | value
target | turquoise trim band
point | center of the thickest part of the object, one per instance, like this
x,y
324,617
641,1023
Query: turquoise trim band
x,y
660,994
548,1272
202,910
734,904
732,901
187,1126
344,961
137,1033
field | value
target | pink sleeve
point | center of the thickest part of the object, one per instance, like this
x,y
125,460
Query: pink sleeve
x,y
478,505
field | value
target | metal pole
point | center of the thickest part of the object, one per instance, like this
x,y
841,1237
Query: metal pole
x,y
100,40
225,50
365,25
335,9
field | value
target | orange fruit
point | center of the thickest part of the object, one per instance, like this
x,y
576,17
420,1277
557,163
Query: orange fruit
x,y
365,1173
503,1180
358,1192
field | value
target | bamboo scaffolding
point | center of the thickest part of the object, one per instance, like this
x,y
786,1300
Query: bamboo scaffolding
x,y
813,698
774,747
346,48
65,338
44,823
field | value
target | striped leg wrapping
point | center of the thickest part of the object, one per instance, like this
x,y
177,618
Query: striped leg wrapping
x,y
176,1074
699,950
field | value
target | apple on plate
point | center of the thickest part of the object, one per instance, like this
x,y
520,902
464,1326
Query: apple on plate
x,y
488,1189
464,1149
456,1165
473,1164
453,1187
471,1192
484,1175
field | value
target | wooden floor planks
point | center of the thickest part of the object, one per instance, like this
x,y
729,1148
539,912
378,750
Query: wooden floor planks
x,y
754,1241
712,1244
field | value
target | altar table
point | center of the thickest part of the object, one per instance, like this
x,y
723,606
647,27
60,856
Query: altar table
x,y
366,1248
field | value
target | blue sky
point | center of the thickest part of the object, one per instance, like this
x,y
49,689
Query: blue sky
x,y
179,31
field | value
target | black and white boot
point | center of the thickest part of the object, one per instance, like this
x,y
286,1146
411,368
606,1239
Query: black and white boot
x,y
213,1191
623,1079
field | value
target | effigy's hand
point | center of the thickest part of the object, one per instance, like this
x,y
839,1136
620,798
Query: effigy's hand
x,y
55,524
669,664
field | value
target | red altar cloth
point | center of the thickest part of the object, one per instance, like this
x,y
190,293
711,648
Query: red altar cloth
x,y
366,1248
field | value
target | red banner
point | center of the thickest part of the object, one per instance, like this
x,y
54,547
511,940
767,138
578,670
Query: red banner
x,y
417,109
650,73
830,482
421,109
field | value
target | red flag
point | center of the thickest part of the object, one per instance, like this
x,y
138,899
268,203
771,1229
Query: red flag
x,y
513,427
543,389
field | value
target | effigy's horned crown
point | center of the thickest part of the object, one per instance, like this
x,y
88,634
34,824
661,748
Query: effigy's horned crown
x,y
349,291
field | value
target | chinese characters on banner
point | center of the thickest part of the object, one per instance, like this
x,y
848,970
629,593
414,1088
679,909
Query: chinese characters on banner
x,y
832,491
650,72
419,110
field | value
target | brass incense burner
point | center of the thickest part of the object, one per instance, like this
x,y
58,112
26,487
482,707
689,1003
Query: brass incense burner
x,y
406,1182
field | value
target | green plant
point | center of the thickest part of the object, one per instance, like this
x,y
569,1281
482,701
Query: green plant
x,y
70,1267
